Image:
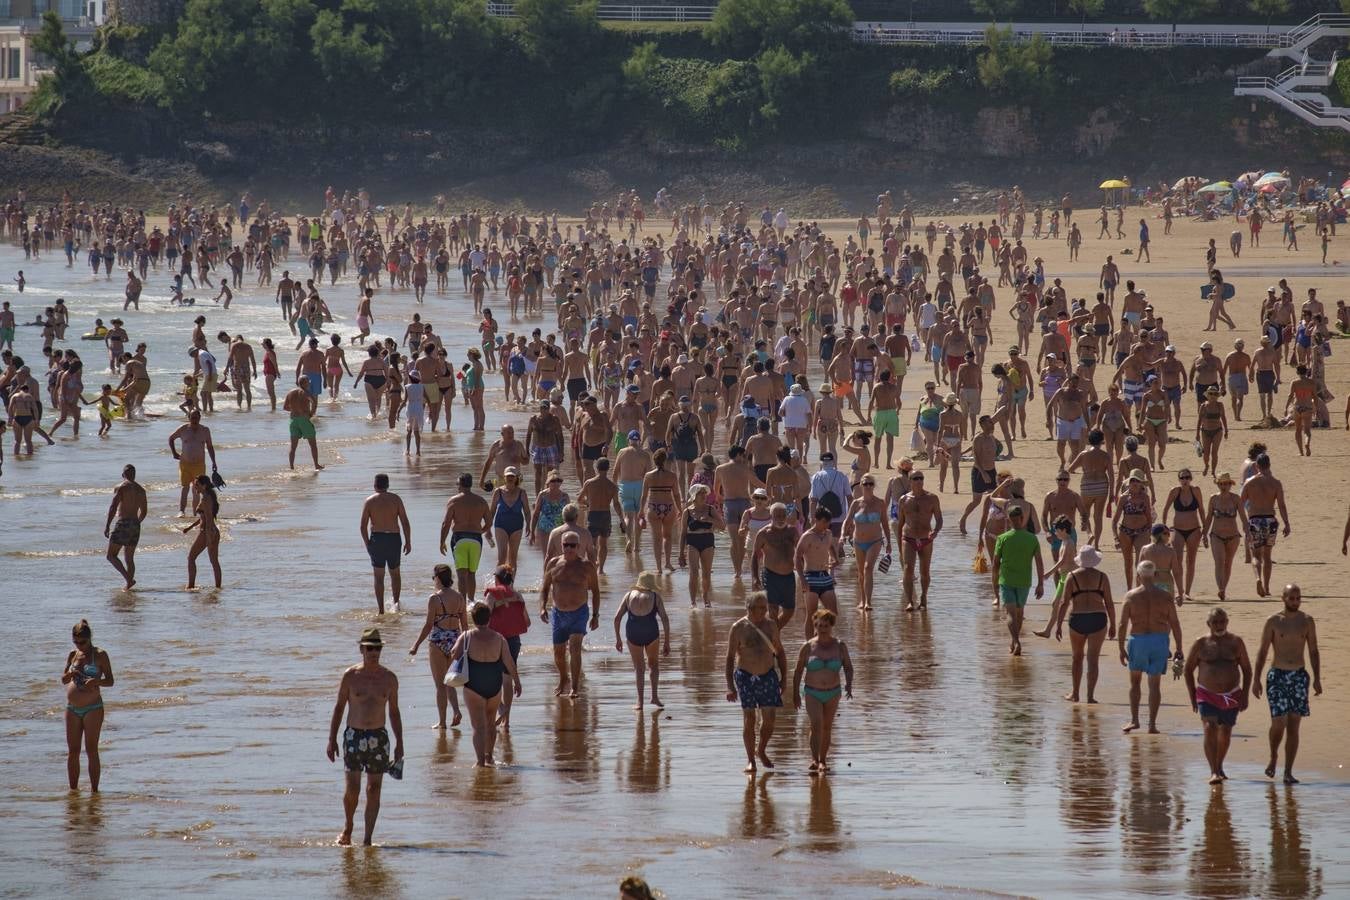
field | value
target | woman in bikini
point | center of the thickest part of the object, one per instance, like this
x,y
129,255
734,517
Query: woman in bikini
x,y
1211,428
1155,418
1186,501
1224,525
1113,420
1092,618
270,370
88,670
1132,521
827,420
394,387
444,622
857,444
821,660
374,374
1303,399
1131,461
865,524
334,361
700,519
473,387
1061,530
644,607
208,532
659,503
548,508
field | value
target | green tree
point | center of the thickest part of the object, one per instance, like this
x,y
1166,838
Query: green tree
x,y
1269,8
997,10
1009,66
1175,11
68,80
557,32
744,28
1087,8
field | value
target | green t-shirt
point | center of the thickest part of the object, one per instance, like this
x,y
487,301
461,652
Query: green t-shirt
x,y
1015,551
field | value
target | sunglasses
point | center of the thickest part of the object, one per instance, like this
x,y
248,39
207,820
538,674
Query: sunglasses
x,y
366,648
916,478
1061,479
570,546
1184,477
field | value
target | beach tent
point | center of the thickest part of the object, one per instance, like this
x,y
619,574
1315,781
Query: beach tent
x,y
1271,178
1114,190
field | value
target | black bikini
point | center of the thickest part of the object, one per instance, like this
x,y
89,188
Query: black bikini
x,y
1178,507
1088,623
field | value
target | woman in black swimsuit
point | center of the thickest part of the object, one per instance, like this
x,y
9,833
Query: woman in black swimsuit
x,y
1092,618
487,655
374,374
696,533
643,606
1186,502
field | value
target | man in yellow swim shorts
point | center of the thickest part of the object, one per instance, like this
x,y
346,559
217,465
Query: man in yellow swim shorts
x,y
466,524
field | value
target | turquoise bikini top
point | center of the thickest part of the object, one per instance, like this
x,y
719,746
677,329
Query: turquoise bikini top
x,y
815,665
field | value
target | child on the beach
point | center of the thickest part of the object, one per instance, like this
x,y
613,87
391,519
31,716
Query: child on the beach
x,y
189,394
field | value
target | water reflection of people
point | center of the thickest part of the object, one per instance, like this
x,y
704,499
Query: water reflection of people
x,y
1219,866
1292,873
821,822
1087,794
759,819
364,874
576,734
1152,813
645,767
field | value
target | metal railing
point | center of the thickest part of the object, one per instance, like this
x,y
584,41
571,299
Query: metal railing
x,y
613,12
891,33
1319,21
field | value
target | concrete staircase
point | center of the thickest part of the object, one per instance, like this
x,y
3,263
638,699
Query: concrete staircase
x,y
20,127
1300,89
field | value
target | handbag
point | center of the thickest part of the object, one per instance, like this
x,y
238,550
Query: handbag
x,y
458,673
884,564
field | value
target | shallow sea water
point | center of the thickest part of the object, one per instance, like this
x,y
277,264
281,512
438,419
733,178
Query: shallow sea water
x,y
957,769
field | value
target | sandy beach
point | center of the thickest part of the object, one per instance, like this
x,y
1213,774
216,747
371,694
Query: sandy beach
x,y
958,768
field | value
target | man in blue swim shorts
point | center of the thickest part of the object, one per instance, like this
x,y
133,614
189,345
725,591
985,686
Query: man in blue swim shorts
x,y
1147,616
567,579
756,666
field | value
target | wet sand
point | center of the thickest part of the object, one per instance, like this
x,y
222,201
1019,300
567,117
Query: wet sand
x,y
956,768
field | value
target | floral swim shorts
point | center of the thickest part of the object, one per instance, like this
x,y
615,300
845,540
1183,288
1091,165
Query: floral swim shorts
x,y
365,750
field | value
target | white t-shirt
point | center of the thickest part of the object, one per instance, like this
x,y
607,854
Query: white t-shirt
x,y
795,410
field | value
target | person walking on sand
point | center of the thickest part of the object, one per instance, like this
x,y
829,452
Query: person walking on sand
x,y
1212,673
1286,635
367,688
1261,495
88,670
1147,617
1014,553
383,520
128,507
644,607
756,667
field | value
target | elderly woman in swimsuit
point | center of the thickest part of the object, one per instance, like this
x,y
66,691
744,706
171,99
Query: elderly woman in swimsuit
x,y
487,656
1113,420
821,660
700,519
659,503
374,375
644,607
1211,428
865,524
1092,618
1222,531
1132,521
1186,501
443,625
87,671
1155,416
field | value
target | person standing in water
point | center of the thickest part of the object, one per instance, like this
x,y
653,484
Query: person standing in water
x,y
756,667
382,517
87,671
821,659
443,626
1212,670
1147,616
367,688
129,507
1287,634
643,606
568,579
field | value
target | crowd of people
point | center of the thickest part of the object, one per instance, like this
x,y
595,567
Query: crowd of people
x,y
717,375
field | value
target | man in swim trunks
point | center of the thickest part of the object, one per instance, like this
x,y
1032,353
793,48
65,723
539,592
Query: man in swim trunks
x,y
1147,616
309,369
302,405
599,496
1287,634
543,442
197,446
756,667
883,407
1262,494
1237,369
567,580
1014,552
632,463
777,543
129,507
815,559
1266,366
364,692
733,481
983,472
467,521
919,519
1212,669
1068,407
383,520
